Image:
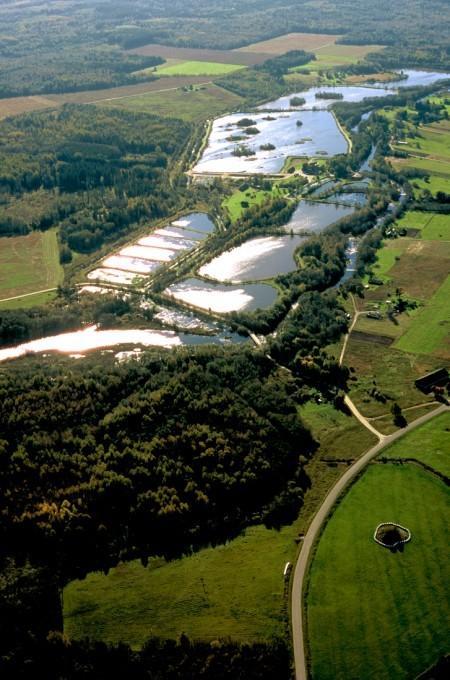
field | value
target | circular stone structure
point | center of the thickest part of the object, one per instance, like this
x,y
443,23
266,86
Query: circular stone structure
x,y
391,535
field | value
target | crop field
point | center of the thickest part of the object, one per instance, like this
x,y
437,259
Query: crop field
x,y
429,444
374,614
331,56
245,57
196,104
29,263
13,106
234,590
290,41
429,332
198,68
19,105
418,267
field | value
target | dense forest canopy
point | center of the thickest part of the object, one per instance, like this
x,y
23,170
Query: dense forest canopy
x,y
89,36
145,459
106,168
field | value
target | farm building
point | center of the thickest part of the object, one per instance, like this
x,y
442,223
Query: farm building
x,y
431,380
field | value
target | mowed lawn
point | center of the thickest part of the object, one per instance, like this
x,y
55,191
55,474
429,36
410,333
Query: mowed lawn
x,y
429,444
373,614
196,104
29,263
429,331
198,68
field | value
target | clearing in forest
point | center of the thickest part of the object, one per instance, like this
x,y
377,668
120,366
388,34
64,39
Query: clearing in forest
x,y
29,263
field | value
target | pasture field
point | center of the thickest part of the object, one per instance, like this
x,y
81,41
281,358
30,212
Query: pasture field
x,y
433,184
422,266
432,226
386,259
199,103
389,370
234,590
429,149
436,168
373,614
251,196
245,57
29,263
29,301
429,444
429,332
431,141
198,68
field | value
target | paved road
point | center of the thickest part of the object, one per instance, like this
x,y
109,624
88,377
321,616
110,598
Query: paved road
x,y
298,630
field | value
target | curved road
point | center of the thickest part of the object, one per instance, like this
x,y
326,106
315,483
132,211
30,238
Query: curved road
x,y
298,628
301,567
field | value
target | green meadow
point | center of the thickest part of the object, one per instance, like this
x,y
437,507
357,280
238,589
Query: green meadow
x,y
373,614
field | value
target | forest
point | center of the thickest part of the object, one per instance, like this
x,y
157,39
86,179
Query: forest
x,y
151,458
79,44
105,169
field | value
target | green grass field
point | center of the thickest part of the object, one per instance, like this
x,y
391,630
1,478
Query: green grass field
x,y
198,68
432,226
373,614
433,184
251,196
196,104
235,590
430,330
429,444
29,263
430,140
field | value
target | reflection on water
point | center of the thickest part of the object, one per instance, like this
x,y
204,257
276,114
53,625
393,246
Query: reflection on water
x,y
415,78
223,299
347,93
317,135
254,260
313,217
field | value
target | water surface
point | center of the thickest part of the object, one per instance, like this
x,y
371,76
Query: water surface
x,y
318,135
254,260
223,299
313,217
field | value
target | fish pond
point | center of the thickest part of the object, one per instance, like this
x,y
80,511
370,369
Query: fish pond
x,y
254,260
263,146
220,298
